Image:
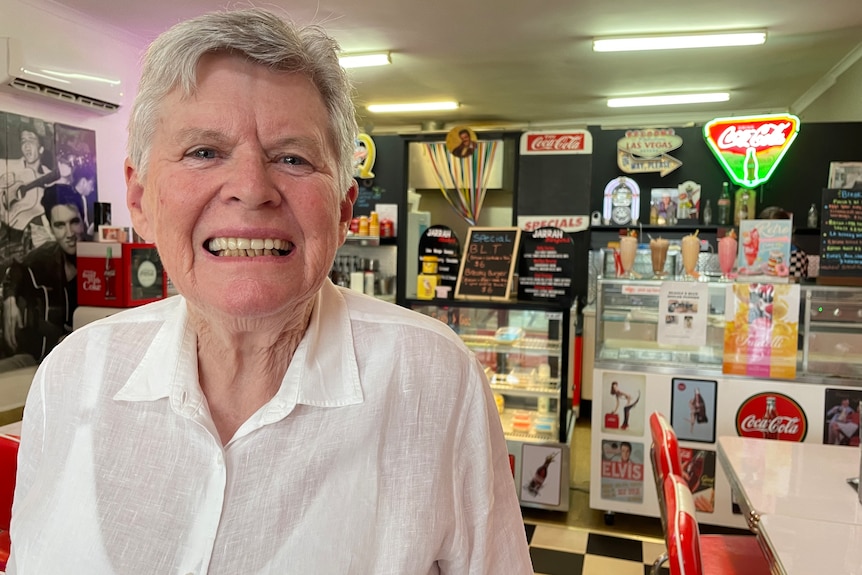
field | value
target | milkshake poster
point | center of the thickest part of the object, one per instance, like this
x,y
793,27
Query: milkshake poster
x,y
761,329
764,249
623,471
683,310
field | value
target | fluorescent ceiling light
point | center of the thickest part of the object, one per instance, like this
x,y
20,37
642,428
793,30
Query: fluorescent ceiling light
x,y
669,99
364,60
750,38
414,107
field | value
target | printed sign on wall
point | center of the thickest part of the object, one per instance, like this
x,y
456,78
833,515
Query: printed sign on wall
x,y
48,195
622,408
772,415
761,329
644,151
623,471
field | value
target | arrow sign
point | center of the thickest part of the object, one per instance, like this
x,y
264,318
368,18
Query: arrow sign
x,y
631,164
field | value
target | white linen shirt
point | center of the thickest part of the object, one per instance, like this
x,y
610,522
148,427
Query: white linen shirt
x,y
381,453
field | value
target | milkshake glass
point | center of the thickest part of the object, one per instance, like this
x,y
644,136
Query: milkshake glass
x,y
690,249
628,250
658,252
727,248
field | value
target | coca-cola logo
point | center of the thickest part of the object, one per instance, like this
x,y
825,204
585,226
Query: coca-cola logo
x,y
575,142
763,136
736,136
771,415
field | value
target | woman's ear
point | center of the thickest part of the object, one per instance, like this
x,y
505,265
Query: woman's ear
x,y
135,203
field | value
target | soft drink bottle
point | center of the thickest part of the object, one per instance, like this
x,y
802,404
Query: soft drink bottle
x,y
770,429
541,474
724,205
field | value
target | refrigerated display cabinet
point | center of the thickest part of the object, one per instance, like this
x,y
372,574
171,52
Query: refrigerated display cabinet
x,y
527,350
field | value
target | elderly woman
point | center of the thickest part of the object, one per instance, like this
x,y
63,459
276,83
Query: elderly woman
x,y
265,421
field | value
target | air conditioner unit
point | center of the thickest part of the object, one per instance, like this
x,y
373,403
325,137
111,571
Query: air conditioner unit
x,y
73,86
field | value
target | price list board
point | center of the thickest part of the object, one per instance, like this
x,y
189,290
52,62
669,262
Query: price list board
x,y
841,237
488,263
441,243
546,266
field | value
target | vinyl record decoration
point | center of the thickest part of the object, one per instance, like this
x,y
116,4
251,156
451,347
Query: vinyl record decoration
x,y
546,265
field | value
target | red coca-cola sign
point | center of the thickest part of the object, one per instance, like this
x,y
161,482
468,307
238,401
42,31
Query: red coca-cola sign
x,y
568,142
771,415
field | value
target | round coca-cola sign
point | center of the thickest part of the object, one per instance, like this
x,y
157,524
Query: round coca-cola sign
x,y
771,415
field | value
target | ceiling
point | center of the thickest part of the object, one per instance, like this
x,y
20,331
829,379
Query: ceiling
x,y
529,63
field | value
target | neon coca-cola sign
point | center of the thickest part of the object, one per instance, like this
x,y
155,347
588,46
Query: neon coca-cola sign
x,y
750,148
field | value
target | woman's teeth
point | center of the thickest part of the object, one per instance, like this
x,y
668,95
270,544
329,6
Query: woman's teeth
x,y
244,247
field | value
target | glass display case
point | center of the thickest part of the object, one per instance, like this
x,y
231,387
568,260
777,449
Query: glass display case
x,y
525,351
639,369
627,319
528,354
832,337
628,315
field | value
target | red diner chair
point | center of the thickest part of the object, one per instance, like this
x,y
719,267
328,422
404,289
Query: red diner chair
x,y
690,553
8,468
664,457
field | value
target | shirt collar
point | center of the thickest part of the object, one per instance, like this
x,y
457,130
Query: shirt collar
x,y
324,371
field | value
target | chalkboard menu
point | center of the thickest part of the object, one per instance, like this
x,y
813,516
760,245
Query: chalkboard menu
x,y
546,266
440,242
841,234
488,263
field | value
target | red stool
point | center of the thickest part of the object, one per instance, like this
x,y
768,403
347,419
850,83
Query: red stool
x,y
8,468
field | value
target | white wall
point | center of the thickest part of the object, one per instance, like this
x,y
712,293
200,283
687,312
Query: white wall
x,y
840,103
50,35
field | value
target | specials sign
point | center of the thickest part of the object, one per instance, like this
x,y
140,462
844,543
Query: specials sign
x,y
749,148
557,142
565,223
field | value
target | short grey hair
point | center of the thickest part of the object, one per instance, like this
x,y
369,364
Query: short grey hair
x,y
171,62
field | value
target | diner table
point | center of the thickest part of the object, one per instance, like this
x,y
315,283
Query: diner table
x,y
828,547
796,499
804,480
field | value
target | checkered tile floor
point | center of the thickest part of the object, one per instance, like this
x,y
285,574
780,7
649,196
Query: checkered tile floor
x,y
573,551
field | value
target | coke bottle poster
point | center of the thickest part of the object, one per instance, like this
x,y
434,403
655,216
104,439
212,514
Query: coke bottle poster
x,y
761,329
764,249
622,403
693,409
698,470
623,471
841,417
541,473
